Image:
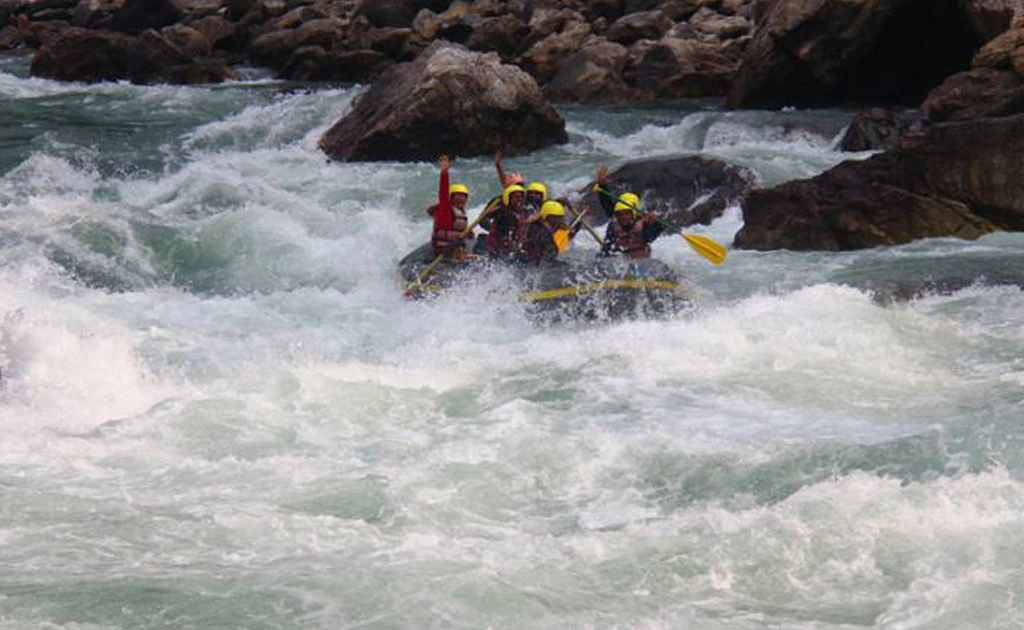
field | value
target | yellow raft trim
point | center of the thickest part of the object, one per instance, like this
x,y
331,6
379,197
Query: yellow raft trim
x,y
594,287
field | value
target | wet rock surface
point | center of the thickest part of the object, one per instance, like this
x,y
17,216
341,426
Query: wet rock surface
x,y
450,100
682,191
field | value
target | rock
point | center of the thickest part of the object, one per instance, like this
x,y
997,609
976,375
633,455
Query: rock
x,y
993,87
313,63
39,34
592,75
458,29
425,25
675,68
979,93
135,16
999,53
609,9
187,39
275,48
389,41
876,129
637,26
398,13
36,8
678,10
449,100
961,179
822,53
237,9
990,17
719,26
549,21
272,8
94,13
155,59
217,30
681,191
51,15
502,34
79,54
10,38
545,57
296,18
196,9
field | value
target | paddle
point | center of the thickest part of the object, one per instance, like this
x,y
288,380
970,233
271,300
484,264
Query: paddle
x,y
580,219
707,247
562,236
429,269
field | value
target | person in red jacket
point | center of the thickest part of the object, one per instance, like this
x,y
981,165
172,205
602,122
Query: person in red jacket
x,y
449,215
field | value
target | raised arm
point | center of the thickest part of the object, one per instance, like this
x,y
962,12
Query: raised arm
x,y
498,164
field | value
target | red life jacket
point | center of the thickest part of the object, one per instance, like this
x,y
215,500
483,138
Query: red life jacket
x,y
442,237
449,221
630,240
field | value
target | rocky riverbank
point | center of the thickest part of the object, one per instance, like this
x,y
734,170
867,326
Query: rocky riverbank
x,y
954,69
955,173
576,50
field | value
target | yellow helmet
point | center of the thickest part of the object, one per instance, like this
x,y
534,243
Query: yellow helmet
x,y
628,201
514,188
538,187
552,209
458,188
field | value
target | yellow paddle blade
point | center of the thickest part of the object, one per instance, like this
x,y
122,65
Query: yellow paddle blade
x,y
561,238
706,247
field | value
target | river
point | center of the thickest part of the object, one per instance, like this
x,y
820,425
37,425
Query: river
x,y
217,411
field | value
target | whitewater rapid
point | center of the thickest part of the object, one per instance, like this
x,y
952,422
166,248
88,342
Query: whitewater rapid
x,y
218,412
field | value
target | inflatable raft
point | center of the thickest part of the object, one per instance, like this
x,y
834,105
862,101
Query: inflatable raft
x,y
573,288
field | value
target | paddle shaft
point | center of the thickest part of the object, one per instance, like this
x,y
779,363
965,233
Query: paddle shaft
x,y
586,224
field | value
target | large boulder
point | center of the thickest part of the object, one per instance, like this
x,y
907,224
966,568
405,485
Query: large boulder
x,y
674,68
450,100
990,17
544,58
501,34
156,58
592,75
681,191
275,48
817,52
993,87
637,26
960,179
80,54
314,63
877,129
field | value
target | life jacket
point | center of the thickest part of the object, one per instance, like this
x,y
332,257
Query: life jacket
x,y
503,231
539,244
442,239
629,240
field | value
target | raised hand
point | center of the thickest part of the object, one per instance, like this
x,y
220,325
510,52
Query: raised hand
x,y
602,174
444,162
497,158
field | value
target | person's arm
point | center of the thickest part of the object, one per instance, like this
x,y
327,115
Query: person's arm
x,y
604,195
498,167
652,227
444,218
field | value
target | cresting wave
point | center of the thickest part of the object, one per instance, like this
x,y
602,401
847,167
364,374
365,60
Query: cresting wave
x,y
218,411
